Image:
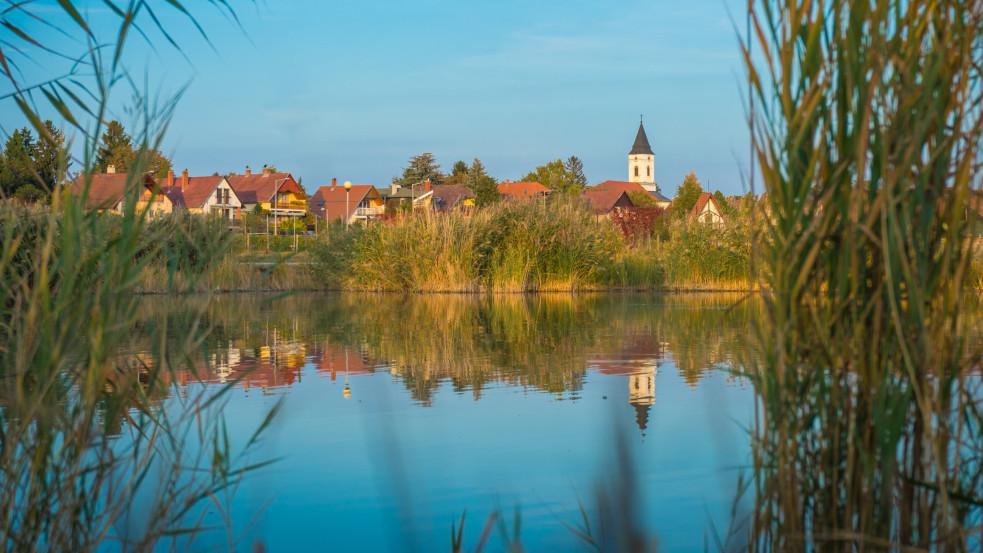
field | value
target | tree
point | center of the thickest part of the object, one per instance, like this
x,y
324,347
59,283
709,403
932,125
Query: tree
x,y
575,171
158,165
116,149
421,168
561,178
51,159
686,196
458,174
484,187
17,167
726,208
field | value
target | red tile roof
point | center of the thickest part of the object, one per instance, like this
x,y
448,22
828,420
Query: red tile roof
x,y
621,185
603,201
329,202
260,187
107,189
522,189
195,194
702,202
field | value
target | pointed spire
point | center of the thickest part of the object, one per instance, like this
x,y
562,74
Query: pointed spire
x,y
641,145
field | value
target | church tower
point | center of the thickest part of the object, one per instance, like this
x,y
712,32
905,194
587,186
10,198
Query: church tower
x,y
641,161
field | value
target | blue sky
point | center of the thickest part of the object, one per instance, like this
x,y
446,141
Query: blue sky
x,y
352,90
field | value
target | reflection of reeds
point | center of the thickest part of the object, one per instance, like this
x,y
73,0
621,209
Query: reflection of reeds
x,y
870,433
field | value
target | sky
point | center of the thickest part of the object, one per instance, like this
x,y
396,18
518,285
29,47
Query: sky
x,y
352,90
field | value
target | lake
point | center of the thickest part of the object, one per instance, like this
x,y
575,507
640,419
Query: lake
x,y
400,413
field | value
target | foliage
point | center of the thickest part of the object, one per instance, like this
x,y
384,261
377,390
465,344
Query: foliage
x,y
868,132
726,208
117,148
421,167
687,194
565,180
36,163
642,199
291,225
29,194
484,187
636,223
187,242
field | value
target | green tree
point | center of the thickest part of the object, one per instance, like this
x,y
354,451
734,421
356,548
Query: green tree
x,y
558,177
421,168
484,187
158,165
16,169
458,174
575,172
116,149
686,196
51,159
726,207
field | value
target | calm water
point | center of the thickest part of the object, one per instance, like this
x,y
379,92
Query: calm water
x,y
460,403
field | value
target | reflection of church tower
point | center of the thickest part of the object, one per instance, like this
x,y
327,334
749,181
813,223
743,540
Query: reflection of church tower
x,y
641,162
641,394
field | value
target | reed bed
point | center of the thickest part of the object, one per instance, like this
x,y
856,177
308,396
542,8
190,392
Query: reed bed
x,y
867,126
512,247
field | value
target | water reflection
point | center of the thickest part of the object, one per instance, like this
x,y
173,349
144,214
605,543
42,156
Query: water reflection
x,y
544,343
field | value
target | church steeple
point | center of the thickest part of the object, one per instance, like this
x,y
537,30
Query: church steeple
x,y
641,145
641,161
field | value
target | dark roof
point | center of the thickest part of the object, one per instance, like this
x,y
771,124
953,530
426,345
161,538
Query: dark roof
x,y
448,195
603,201
641,145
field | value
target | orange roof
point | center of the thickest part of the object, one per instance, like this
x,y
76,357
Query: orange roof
x,y
195,194
522,189
256,188
702,202
603,201
107,189
331,202
621,185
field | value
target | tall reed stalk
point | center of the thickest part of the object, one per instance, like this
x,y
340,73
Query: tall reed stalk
x,y
93,454
868,134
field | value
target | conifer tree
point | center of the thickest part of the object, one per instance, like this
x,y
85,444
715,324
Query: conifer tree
x,y
116,149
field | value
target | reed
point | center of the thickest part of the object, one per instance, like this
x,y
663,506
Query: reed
x,y
94,451
511,247
868,133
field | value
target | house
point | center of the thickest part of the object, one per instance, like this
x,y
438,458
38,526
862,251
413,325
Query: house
x,y
707,210
396,196
108,190
605,202
451,197
632,187
211,194
278,193
361,203
519,190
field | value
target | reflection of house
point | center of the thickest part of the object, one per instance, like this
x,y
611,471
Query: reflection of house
x,y
402,197
707,210
522,190
211,194
275,192
334,203
107,192
452,197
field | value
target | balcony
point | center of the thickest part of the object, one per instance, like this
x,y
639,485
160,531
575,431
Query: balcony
x,y
366,212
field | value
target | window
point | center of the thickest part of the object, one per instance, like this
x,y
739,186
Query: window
x,y
648,171
636,170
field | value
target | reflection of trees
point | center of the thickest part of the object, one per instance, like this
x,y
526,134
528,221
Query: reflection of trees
x,y
547,342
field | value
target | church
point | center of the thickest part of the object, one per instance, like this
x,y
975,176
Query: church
x,y
641,162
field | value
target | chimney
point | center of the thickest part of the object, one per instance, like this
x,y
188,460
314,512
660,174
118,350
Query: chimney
x,y
426,185
506,181
184,179
334,182
249,171
266,171
395,188
111,169
170,178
